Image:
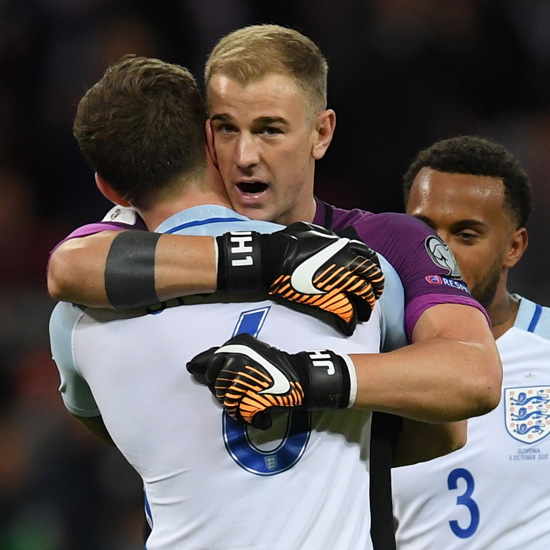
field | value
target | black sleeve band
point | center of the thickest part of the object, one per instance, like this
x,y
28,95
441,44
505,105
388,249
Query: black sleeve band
x,y
130,270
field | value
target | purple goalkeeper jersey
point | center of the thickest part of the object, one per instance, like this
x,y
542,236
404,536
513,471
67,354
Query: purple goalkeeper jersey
x,y
423,262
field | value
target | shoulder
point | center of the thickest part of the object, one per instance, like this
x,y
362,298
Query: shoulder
x,y
63,320
65,316
412,248
367,223
423,262
74,389
392,234
392,305
212,219
117,219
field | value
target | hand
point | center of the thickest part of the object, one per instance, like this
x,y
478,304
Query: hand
x,y
250,378
305,264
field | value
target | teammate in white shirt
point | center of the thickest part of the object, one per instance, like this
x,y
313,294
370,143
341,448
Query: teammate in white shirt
x,y
211,482
493,494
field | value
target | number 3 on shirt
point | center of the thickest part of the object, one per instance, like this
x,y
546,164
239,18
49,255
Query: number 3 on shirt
x,y
238,438
465,499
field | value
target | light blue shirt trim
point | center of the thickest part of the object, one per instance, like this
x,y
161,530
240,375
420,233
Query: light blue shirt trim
x,y
213,220
533,317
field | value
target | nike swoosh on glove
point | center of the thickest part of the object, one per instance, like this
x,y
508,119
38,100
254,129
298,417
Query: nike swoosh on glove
x,y
250,379
306,264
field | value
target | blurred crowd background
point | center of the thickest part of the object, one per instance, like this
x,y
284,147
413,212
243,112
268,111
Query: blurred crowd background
x,y
403,73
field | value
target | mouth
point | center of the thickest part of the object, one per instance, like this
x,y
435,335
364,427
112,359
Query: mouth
x,y
252,188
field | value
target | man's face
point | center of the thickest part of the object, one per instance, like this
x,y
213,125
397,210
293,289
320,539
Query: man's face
x,y
266,144
467,213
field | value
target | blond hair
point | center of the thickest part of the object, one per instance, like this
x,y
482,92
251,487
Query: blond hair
x,y
254,52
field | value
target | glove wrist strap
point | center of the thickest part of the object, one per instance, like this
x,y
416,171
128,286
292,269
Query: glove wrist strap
x,y
239,262
332,380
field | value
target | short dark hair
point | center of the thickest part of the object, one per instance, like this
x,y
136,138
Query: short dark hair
x,y
481,157
142,126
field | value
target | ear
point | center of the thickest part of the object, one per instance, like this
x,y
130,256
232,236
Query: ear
x,y
210,143
518,244
108,192
325,124
214,178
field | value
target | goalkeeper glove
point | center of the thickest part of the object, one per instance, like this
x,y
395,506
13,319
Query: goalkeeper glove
x,y
250,378
305,264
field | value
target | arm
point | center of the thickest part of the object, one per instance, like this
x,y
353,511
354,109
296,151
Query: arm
x,y
422,441
183,265
450,372
301,263
95,425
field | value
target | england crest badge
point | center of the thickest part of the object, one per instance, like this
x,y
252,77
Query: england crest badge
x,y
527,412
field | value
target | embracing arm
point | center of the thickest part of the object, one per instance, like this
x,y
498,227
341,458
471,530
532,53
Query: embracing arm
x,y
301,263
467,376
182,265
450,372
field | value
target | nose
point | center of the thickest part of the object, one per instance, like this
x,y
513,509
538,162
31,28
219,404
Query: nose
x,y
443,235
247,153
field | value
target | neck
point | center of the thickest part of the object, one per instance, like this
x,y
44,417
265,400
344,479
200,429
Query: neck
x,y
503,314
306,213
191,194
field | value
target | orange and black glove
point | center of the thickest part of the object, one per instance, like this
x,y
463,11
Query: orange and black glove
x,y
305,264
250,379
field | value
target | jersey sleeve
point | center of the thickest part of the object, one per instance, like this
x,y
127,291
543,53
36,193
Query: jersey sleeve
x,y
119,218
75,392
424,263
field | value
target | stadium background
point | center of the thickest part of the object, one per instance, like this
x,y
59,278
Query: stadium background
x,y
403,73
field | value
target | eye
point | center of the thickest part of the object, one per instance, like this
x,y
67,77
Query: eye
x,y
467,236
271,131
224,128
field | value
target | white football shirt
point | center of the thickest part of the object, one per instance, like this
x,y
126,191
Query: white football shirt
x,y
210,482
494,493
